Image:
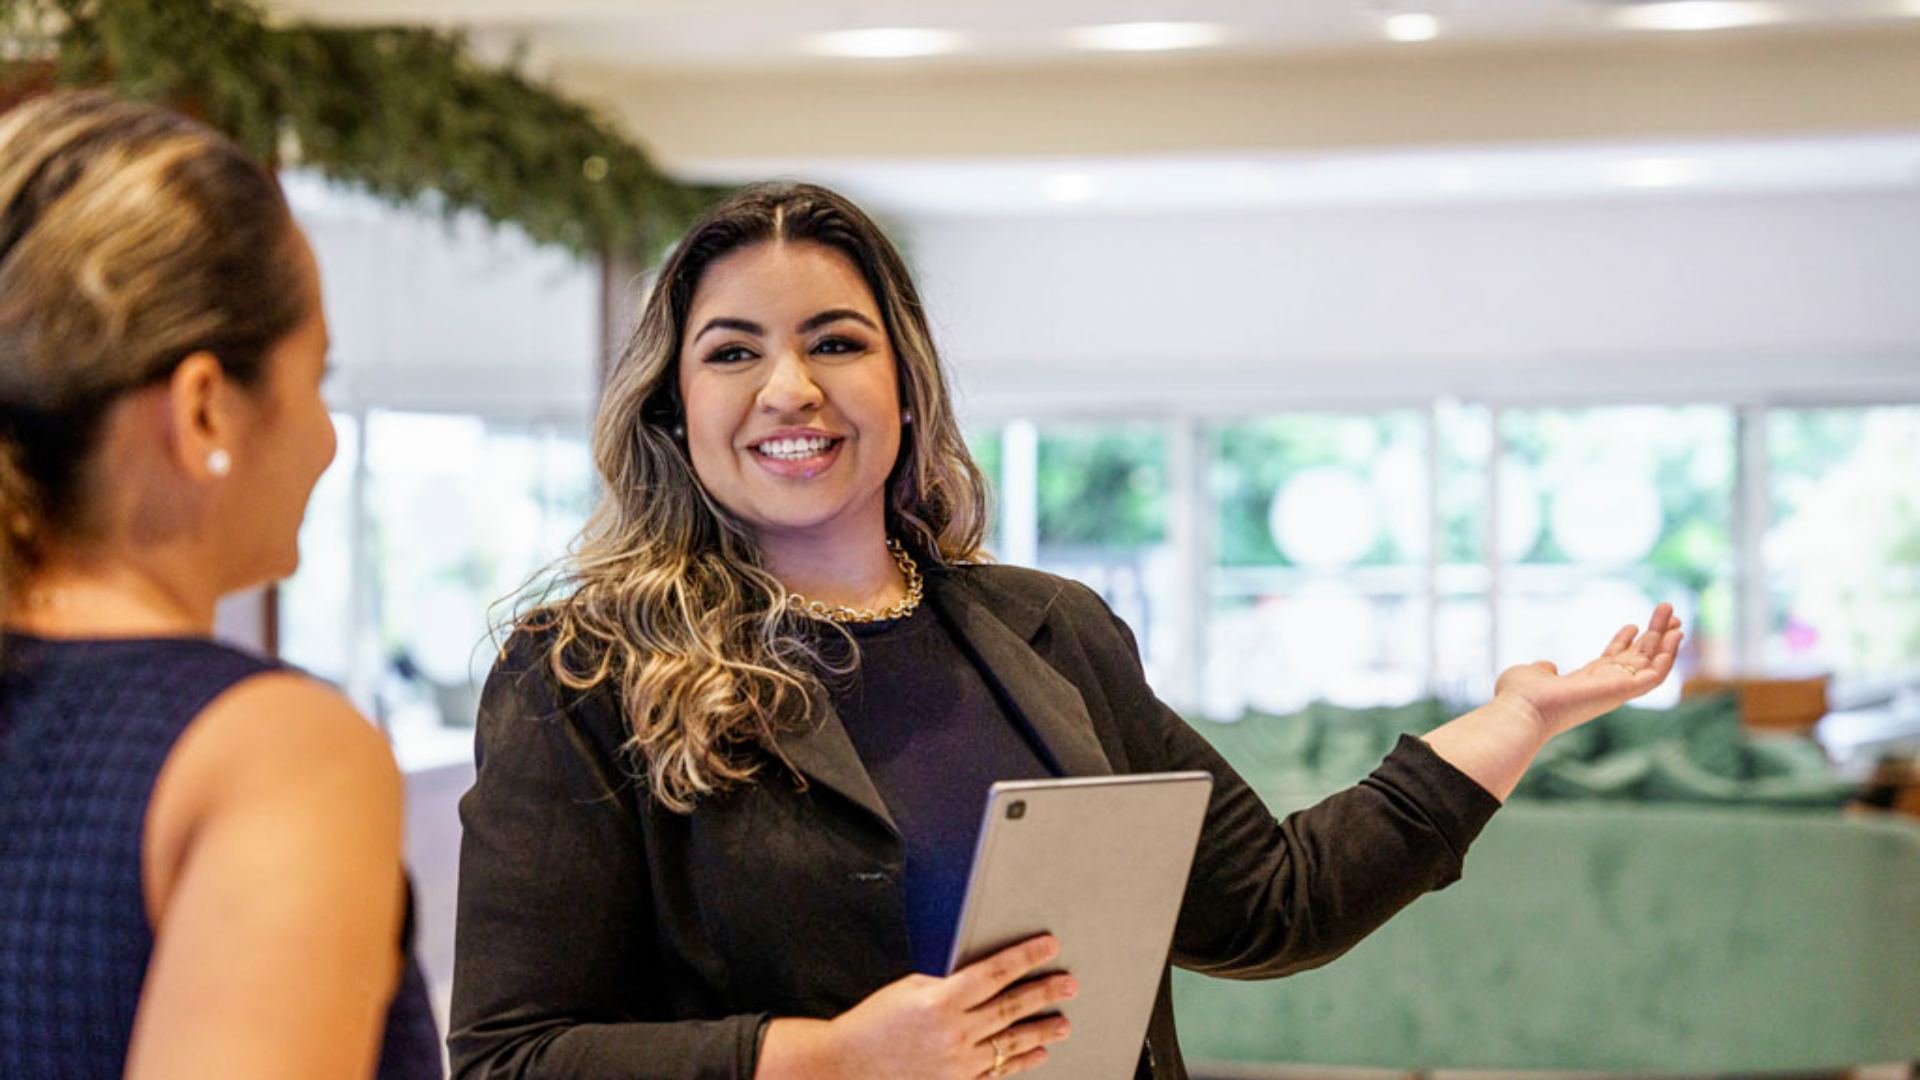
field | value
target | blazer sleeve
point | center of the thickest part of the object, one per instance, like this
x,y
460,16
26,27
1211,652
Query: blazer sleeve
x,y
554,956
1267,898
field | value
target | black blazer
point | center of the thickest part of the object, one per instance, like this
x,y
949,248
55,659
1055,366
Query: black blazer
x,y
601,936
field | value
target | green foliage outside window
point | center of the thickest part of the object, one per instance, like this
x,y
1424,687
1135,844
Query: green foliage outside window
x,y
1844,542
1252,461
1688,453
1103,486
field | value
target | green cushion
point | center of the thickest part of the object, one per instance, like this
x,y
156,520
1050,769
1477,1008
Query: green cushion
x,y
1696,752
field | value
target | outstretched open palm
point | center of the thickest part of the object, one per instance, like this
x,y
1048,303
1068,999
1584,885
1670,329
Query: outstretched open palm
x,y
1634,662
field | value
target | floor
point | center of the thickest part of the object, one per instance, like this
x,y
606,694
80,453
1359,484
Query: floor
x,y
1323,1073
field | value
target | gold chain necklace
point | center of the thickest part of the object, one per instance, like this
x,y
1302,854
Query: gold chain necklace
x,y
840,613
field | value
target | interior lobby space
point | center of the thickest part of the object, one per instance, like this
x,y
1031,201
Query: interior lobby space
x,y
1352,352
1350,363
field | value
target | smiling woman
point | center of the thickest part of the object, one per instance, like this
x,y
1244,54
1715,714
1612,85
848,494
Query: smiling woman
x,y
794,425
730,781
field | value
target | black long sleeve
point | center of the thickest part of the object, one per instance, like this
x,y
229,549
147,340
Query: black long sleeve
x,y
554,955
1267,898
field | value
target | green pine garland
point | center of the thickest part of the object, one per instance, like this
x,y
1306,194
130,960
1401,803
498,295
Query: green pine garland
x,y
406,114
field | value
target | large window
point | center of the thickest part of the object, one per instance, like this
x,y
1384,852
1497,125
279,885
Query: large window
x,y
1319,586
1360,557
1101,511
1843,548
400,605
1605,512
1374,557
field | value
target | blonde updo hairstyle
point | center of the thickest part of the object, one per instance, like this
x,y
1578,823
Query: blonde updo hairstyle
x,y
665,597
130,238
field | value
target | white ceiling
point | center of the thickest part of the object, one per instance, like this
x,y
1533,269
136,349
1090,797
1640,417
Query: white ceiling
x,y
695,35
1515,101
1424,176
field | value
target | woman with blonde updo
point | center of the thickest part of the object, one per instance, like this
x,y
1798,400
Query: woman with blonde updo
x,y
730,778
199,849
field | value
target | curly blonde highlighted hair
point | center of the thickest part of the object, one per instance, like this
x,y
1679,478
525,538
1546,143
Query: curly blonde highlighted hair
x,y
665,596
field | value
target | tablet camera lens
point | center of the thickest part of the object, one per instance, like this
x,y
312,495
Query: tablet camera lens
x,y
1016,810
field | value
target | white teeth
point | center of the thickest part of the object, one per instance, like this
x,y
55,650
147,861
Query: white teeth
x,y
794,449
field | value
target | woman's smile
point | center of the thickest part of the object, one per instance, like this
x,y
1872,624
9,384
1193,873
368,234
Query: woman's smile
x,y
797,453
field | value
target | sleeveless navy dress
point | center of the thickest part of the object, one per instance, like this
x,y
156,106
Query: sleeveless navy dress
x,y
85,727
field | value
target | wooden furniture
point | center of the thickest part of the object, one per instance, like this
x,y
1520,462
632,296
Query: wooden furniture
x,y
1769,704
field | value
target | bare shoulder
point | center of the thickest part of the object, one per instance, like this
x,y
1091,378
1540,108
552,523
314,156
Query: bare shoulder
x,y
272,877
289,718
286,740
285,760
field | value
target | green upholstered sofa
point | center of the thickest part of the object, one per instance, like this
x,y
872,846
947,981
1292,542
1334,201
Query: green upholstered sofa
x,y
1659,898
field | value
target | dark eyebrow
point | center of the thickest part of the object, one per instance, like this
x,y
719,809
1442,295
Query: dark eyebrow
x,y
741,325
833,315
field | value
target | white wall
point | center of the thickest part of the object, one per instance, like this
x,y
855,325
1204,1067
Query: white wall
x,y
1757,298
430,314
1785,298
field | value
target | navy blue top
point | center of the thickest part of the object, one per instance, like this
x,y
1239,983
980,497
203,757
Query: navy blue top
x,y
85,727
934,737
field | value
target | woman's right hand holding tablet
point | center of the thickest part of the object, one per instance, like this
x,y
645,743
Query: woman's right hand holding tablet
x,y
983,1020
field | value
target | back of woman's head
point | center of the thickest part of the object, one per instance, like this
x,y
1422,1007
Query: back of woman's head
x,y
130,238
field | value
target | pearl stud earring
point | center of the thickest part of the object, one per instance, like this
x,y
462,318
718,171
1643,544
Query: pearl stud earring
x,y
219,463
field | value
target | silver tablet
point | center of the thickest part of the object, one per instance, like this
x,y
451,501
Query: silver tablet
x,y
1101,863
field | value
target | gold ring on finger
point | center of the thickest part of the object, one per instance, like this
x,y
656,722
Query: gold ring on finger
x,y
999,1057
1628,668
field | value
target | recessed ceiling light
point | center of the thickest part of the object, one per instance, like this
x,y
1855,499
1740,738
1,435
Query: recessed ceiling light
x,y
1413,26
1695,14
1658,172
1069,188
1147,36
883,42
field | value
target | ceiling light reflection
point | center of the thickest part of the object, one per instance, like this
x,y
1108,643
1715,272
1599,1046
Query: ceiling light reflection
x,y
1147,36
1410,26
1696,14
883,42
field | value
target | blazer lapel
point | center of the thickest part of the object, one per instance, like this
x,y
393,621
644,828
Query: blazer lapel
x,y
826,756
1051,705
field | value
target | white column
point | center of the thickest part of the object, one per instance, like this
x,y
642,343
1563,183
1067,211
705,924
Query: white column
x,y
364,659
1191,530
1750,519
1434,529
1496,454
1020,493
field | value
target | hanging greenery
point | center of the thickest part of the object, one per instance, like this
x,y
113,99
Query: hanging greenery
x,y
407,114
